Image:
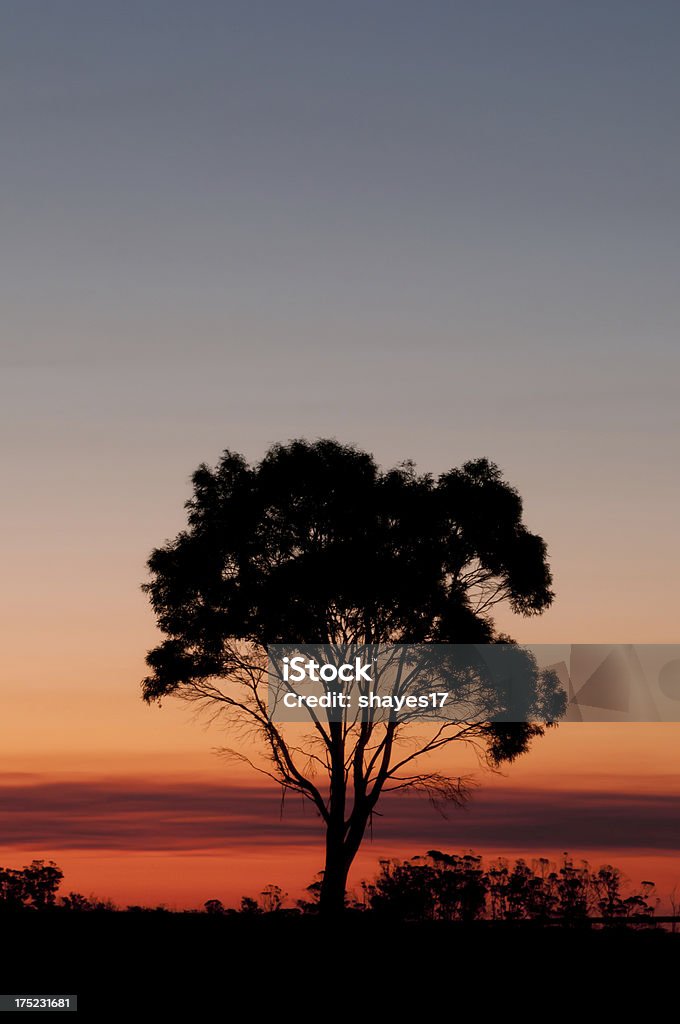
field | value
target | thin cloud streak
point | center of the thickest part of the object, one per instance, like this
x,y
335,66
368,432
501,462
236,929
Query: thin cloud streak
x,y
142,814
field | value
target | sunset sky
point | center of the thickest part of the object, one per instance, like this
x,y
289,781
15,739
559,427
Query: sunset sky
x,y
437,230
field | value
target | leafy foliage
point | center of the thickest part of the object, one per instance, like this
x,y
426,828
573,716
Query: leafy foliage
x,y
33,887
316,542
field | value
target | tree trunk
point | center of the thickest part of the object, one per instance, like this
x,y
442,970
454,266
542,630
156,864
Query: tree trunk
x,y
341,849
332,897
343,838
334,884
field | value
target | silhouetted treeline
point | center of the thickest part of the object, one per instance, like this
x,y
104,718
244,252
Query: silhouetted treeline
x,y
436,887
460,887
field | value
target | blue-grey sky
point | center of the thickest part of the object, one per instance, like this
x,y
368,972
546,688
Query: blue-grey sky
x,y
437,229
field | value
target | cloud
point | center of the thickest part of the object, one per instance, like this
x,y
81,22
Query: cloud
x,y
148,814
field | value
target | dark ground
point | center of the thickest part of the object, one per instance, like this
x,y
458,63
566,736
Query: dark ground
x,y
122,965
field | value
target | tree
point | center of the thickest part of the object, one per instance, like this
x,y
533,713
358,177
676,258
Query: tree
x,y
273,898
34,886
214,907
316,542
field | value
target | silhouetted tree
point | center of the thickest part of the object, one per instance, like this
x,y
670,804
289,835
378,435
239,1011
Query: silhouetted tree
x,y
316,542
272,897
311,904
460,884
214,907
34,886
573,891
607,886
406,891
526,893
12,889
